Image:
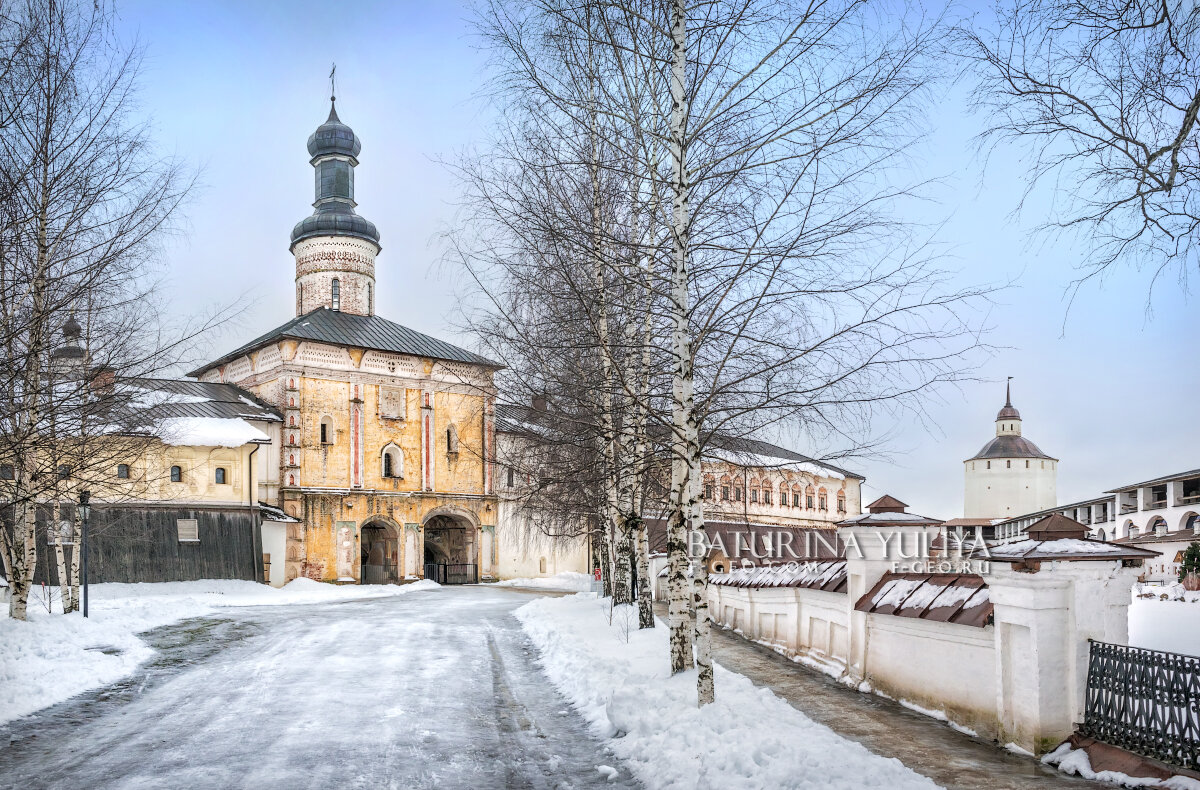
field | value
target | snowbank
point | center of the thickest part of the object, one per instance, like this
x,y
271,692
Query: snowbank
x,y
564,582
1076,762
52,657
618,678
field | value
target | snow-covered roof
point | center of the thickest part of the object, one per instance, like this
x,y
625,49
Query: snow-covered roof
x,y
208,432
272,513
829,576
890,519
949,598
1066,549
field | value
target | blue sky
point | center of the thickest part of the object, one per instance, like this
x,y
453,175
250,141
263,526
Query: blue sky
x,y
236,88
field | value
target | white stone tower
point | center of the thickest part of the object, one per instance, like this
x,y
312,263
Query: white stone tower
x,y
335,248
1010,476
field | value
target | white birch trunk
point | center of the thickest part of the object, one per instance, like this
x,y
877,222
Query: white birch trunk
x,y
682,386
705,691
64,581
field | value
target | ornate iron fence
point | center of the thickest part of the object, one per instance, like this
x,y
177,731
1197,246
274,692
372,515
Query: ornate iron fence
x,y
451,573
1146,701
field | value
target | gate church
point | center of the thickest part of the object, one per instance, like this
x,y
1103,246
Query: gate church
x,y
381,464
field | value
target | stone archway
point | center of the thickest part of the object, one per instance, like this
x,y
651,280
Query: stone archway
x,y
451,547
379,545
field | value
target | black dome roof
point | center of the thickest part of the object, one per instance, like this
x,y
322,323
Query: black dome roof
x,y
1009,412
1010,447
334,137
335,219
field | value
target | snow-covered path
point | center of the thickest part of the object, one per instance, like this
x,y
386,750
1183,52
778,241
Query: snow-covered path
x,y
433,689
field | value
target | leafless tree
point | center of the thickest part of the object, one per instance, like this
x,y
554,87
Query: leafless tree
x,y
1104,97
84,202
758,144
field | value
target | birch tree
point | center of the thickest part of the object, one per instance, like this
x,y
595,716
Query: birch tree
x,y
84,202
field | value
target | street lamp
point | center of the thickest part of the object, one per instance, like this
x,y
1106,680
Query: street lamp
x,y
84,510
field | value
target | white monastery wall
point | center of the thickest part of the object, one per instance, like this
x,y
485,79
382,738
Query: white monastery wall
x,y
1005,488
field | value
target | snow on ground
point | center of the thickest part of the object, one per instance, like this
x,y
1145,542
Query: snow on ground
x,y
565,582
1173,626
1076,762
618,678
52,657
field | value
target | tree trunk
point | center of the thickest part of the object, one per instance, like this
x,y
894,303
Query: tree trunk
x,y
645,583
64,581
682,385
22,560
705,692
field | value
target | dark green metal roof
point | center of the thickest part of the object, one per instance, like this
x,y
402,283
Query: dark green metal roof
x,y
359,331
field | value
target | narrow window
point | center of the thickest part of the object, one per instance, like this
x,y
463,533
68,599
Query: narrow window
x,y
122,471
542,565
511,478
796,499
387,465
808,503
766,496
370,300
452,440
1026,464
220,476
189,530
336,294
1008,464
754,496
7,472
989,464
725,493
324,433
708,490
176,474
737,494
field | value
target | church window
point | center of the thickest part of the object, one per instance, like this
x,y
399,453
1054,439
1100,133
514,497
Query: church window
x,y
1026,464
336,294
452,440
393,461
326,430
1008,464
510,479
989,464
122,471
176,474
221,476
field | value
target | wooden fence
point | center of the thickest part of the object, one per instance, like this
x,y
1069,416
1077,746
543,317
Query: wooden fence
x,y
1146,701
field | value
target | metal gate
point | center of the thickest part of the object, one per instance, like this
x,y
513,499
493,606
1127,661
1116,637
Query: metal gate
x,y
380,574
1146,701
451,573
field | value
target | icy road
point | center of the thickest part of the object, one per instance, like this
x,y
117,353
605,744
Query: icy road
x,y
435,689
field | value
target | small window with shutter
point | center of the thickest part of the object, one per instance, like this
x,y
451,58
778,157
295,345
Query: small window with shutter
x,y
189,530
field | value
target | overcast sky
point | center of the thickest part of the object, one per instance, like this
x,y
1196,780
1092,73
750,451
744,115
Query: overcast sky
x,y
236,88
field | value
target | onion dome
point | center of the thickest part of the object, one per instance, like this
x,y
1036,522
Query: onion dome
x,y
334,150
70,349
333,137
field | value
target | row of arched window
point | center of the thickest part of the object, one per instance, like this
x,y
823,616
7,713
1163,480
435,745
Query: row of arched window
x,y
762,492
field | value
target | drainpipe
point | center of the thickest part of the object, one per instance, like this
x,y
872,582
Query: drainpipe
x,y
250,506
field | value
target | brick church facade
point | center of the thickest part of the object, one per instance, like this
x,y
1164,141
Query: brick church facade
x,y
382,466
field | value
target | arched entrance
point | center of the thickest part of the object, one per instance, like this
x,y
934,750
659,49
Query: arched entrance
x,y
380,550
451,549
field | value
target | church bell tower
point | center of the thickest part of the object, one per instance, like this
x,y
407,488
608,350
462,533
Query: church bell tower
x,y
335,248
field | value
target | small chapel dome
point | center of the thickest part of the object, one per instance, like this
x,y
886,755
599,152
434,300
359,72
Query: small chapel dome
x,y
334,137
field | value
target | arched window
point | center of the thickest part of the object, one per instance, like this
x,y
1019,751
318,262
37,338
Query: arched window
x,y
452,439
797,493
841,501
766,493
725,488
327,430
823,500
809,497
784,499
754,492
176,474
709,488
220,476
122,471
737,490
392,462
335,292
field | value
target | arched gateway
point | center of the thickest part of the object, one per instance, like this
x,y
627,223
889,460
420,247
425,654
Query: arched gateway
x,y
380,552
451,547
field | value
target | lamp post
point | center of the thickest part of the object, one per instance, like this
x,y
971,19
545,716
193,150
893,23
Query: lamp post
x,y
84,510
